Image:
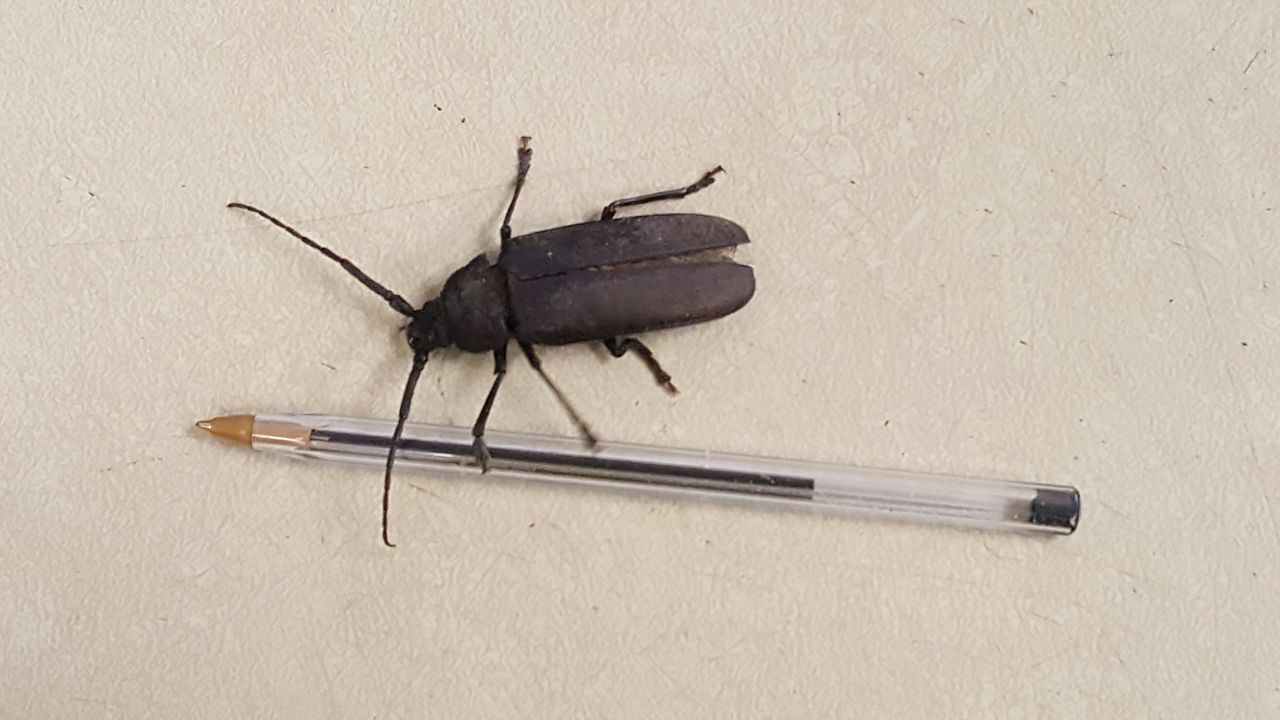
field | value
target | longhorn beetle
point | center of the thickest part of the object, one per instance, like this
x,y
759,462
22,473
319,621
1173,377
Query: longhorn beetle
x,y
602,281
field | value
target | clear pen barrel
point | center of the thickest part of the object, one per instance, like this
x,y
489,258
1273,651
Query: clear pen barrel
x,y
721,477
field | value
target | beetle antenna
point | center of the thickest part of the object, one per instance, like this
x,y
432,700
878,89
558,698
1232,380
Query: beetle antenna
x,y
419,361
397,303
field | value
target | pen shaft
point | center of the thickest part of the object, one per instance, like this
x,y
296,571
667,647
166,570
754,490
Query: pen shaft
x,y
721,477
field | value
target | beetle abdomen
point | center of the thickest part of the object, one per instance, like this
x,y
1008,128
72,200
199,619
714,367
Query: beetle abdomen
x,y
595,304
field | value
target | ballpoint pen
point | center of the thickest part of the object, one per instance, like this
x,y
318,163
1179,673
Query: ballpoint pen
x,y
795,484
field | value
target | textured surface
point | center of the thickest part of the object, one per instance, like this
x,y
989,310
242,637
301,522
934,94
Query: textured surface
x,y
1006,239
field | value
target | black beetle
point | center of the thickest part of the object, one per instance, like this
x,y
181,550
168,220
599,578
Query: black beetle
x,y
604,280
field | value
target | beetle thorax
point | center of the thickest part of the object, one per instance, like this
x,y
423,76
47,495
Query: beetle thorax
x,y
474,299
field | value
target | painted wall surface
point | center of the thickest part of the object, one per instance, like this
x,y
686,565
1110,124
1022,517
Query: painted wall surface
x,y
1020,240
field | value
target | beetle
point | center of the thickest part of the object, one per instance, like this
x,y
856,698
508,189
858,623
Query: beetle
x,y
601,281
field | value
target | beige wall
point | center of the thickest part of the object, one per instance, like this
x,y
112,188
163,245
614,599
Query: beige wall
x,y
1006,239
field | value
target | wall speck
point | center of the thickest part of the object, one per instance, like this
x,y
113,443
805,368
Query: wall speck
x,y
1251,61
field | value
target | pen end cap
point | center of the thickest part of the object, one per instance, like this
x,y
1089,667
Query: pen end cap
x,y
233,428
1058,508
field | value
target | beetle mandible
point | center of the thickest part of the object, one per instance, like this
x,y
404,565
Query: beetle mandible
x,y
603,281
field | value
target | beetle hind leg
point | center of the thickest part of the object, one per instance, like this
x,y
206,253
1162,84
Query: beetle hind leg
x,y
618,348
612,208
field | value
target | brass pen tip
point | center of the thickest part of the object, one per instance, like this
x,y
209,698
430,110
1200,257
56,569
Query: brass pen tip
x,y
234,428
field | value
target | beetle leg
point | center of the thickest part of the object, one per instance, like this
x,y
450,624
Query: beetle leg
x,y
477,431
523,156
618,348
527,349
612,208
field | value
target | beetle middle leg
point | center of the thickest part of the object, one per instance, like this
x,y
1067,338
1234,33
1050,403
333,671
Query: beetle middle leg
x,y
479,447
527,349
523,156
612,208
618,348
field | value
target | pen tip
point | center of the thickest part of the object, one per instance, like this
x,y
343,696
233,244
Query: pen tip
x,y
235,428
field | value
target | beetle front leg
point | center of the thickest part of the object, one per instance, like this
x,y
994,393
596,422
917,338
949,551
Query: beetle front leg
x,y
612,208
618,348
523,156
479,447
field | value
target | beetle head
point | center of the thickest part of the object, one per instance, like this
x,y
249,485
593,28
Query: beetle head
x,y
428,330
